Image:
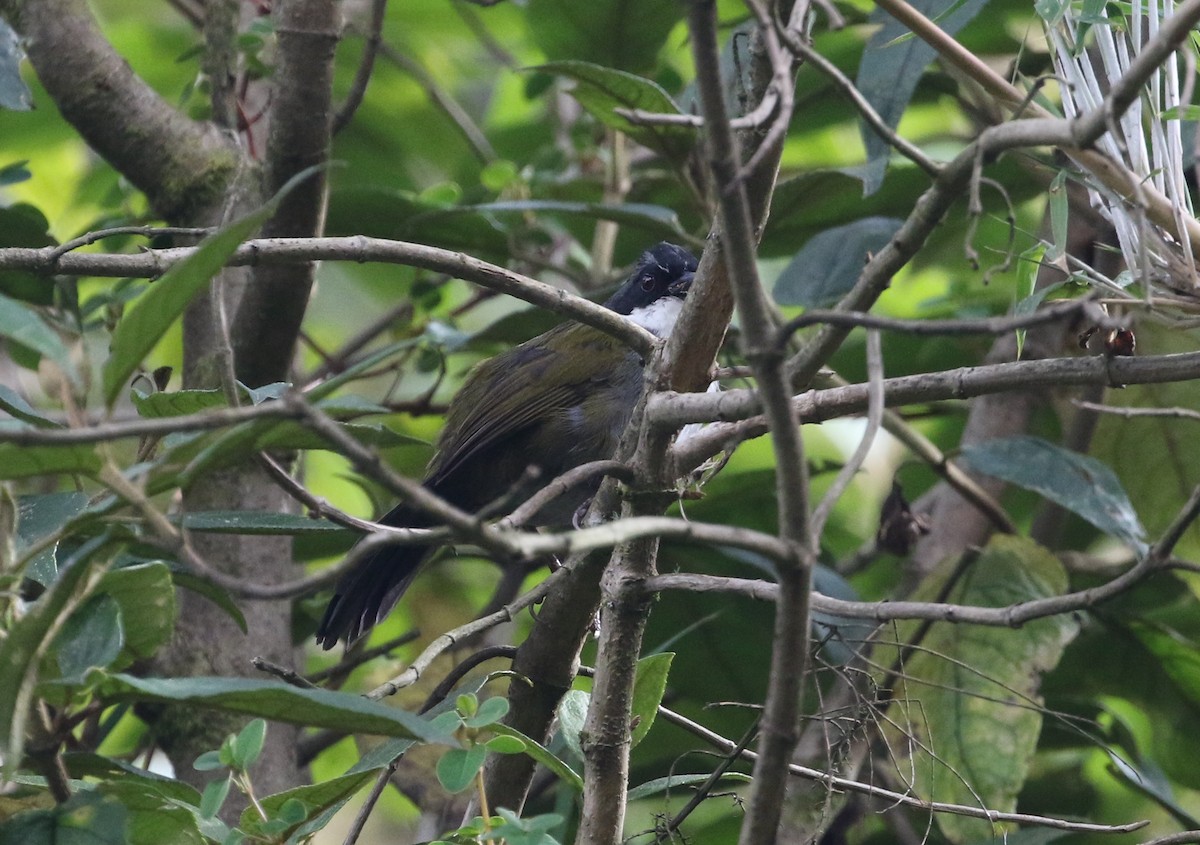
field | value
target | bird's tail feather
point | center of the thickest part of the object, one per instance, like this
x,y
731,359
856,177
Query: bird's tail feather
x,y
369,591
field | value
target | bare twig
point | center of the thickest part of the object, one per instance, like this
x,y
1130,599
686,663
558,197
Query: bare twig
x,y
874,417
847,785
282,251
366,66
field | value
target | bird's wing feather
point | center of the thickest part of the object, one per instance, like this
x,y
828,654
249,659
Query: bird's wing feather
x,y
522,387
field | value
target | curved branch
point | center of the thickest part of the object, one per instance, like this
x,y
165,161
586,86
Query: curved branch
x,y
282,251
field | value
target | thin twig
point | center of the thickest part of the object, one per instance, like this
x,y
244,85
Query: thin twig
x,y
366,66
847,785
846,474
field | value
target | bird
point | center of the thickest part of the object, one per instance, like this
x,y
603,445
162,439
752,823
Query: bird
x,y
551,403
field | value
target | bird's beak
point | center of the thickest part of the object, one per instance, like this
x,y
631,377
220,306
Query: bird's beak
x,y
680,286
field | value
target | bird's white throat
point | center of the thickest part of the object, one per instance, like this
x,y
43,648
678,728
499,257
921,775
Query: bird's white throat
x,y
659,316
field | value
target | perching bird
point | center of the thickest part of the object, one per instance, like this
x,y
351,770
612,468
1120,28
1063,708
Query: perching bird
x,y
555,402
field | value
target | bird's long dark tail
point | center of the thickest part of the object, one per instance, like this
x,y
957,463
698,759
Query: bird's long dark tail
x,y
369,591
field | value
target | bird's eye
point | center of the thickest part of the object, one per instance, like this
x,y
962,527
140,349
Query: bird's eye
x,y
647,283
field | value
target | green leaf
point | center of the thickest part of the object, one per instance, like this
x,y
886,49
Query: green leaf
x,y
24,225
528,831
1180,113
146,596
1051,11
656,220
498,175
308,808
623,34
542,755
572,714
649,685
214,796
276,701
37,518
248,744
92,638
208,761
27,639
1079,483
15,173
13,403
488,713
1059,215
602,90
87,818
506,745
144,324
177,403
28,461
890,70
228,448
828,265
21,324
259,522
96,766
971,687
674,782
457,767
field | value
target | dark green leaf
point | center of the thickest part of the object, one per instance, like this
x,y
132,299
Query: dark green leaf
x,y
24,225
1051,11
457,767
891,69
27,461
40,516
146,596
649,685
572,714
26,639
829,264
1059,216
214,796
276,701
177,403
506,745
208,761
602,90
21,324
15,173
153,313
88,818
249,744
656,220
542,755
309,808
91,639
81,765
258,522
622,34
971,687
672,783
489,712
1079,483
12,403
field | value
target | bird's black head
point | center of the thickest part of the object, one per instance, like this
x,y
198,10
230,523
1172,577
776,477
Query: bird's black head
x,y
663,270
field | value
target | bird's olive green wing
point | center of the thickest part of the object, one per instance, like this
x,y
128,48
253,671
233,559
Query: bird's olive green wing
x,y
519,388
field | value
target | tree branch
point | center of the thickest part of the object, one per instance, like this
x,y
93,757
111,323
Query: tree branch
x,y
188,164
